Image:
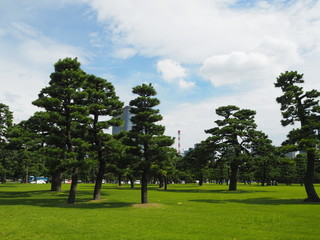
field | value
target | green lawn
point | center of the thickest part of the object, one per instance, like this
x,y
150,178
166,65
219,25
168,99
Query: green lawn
x,y
183,212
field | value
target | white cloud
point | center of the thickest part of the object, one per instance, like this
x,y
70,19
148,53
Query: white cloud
x,y
231,45
193,30
281,52
193,118
186,85
38,49
26,62
271,57
124,52
20,86
234,67
171,70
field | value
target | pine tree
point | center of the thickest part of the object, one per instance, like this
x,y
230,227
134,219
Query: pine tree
x,y
146,137
102,103
63,101
235,132
301,106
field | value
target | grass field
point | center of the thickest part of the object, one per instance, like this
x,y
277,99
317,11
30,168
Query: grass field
x,y
183,212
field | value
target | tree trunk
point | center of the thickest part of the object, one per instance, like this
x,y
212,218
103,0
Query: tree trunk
x,y
161,181
97,189
201,181
264,175
131,182
93,177
56,180
119,180
100,175
26,176
300,172
312,195
3,178
233,175
73,187
165,183
144,187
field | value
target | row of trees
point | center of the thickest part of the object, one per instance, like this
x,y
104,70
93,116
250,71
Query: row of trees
x,y
237,144
69,139
69,136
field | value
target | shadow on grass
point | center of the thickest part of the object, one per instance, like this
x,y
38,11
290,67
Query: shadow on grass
x,y
56,199
9,185
188,189
261,201
220,191
21,194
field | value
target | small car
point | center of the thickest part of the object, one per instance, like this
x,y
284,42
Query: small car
x,y
38,182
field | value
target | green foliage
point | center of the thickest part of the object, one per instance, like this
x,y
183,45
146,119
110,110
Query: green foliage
x,y
146,136
6,118
69,136
197,161
301,106
147,140
24,146
101,101
264,158
63,101
234,134
103,106
70,131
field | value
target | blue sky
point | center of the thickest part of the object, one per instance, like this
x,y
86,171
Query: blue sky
x,y
199,54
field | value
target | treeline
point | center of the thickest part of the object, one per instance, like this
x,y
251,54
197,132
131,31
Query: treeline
x,y
269,166
68,139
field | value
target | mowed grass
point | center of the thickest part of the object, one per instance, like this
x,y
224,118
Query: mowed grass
x,y
183,212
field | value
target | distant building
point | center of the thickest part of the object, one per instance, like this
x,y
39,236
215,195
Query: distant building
x,y
185,152
190,149
292,154
127,124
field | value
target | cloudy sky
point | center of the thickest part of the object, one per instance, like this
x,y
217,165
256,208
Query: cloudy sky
x,y
198,54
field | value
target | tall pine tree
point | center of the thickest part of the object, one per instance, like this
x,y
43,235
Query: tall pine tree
x,y
235,132
146,137
301,106
103,106
63,101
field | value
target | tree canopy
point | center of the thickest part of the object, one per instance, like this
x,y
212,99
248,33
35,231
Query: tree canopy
x,y
235,133
146,137
69,138
303,107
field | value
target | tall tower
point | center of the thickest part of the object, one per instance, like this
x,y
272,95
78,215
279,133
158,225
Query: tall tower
x,y
179,150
